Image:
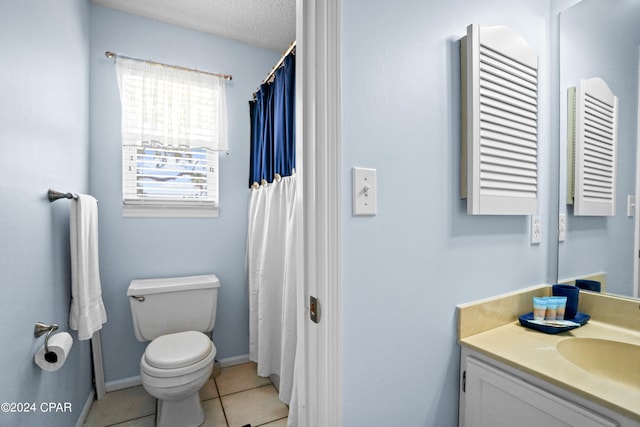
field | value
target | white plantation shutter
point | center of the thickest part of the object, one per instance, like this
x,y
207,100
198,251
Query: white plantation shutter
x,y
595,149
174,123
500,122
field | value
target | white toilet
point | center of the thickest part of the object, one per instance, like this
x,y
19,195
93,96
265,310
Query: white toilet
x,y
174,313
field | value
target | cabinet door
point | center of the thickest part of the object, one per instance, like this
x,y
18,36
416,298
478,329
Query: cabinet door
x,y
494,398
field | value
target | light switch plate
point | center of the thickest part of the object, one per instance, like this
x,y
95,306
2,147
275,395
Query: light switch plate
x,y
631,205
365,189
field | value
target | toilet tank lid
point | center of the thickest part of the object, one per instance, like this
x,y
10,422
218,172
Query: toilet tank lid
x,y
139,287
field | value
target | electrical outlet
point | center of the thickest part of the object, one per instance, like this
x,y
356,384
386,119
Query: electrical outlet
x,y
536,229
562,227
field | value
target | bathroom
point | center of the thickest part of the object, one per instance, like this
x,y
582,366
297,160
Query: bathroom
x,y
403,270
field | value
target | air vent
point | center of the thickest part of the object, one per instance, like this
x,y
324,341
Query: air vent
x,y
592,147
499,161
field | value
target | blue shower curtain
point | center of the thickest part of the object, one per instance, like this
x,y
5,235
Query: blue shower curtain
x,y
273,144
272,258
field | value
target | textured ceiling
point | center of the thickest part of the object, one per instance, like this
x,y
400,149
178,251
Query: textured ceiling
x,y
268,24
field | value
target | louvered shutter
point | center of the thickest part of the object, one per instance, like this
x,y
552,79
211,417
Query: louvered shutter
x,y
500,122
596,119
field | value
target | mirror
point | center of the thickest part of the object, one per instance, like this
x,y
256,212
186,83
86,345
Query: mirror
x,y
601,38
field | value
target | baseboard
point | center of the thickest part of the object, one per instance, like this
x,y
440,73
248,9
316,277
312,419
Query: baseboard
x,y
235,360
123,383
275,380
86,408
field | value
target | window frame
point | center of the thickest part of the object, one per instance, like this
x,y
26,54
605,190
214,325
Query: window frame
x,y
147,90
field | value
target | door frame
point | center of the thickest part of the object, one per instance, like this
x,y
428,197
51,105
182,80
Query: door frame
x,y
636,222
318,100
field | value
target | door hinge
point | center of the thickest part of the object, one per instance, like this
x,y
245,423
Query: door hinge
x,y
314,309
464,381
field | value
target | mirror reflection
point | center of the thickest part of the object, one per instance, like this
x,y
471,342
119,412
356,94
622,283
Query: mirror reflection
x,y
601,38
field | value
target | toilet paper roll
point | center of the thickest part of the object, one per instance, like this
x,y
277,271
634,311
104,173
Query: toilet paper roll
x,y
59,347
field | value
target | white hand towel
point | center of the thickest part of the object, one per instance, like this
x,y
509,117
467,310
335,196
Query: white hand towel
x,y
87,313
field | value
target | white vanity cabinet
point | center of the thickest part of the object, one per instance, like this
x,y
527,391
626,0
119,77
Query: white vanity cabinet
x,y
493,394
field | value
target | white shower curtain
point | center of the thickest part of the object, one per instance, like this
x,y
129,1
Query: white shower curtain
x,y
272,269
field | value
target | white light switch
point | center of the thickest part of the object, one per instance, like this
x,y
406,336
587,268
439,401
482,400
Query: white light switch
x,y
365,198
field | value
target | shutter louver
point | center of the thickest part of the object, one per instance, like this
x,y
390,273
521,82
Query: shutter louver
x,y
500,136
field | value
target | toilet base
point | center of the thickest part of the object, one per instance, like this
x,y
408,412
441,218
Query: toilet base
x,y
185,413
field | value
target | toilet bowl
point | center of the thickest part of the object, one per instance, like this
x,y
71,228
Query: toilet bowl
x,y
173,369
173,315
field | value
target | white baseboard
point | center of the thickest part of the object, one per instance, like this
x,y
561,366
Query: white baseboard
x,y
85,409
123,383
235,360
275,380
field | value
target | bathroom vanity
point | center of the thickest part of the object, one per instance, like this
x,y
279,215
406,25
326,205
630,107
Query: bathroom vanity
x,y
512,375
494,394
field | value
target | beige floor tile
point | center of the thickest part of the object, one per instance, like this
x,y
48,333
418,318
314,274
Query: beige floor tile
x,y
239,378
121,405
209,390
148,421
278,423
257,406
214,415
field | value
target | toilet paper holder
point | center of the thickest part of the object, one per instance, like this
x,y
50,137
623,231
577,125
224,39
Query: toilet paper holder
x,y
41,328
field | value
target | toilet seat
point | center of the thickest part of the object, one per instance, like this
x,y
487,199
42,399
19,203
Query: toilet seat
x,y
177,350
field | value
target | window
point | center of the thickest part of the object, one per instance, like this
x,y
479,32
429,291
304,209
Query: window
x,y
173,126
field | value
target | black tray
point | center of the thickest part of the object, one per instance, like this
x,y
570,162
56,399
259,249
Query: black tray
x,y
526,321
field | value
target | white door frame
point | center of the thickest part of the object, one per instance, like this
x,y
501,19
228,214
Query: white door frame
x,y
318,134
636,222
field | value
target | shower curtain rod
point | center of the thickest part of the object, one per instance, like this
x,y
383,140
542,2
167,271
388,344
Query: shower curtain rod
x,y
279,63
112,55
290,49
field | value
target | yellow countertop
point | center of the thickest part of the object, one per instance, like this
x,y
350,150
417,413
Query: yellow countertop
x,y
535,352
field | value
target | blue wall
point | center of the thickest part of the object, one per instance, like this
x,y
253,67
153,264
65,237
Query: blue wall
x,y
44,130
598,40
405,269
132,248
53,72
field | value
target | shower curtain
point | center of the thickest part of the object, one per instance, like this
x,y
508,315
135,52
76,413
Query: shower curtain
x,y
271,255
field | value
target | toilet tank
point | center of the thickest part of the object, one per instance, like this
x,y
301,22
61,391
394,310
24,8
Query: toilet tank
x,y
174,304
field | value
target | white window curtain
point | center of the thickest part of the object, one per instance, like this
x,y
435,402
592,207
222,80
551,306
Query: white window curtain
x,y
174,107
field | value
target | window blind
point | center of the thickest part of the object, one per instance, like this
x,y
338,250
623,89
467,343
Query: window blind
x,y
154,174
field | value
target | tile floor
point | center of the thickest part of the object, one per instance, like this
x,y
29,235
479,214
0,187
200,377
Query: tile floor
x,y
233,399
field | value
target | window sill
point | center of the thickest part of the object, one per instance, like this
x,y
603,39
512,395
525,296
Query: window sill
x,y
147,211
